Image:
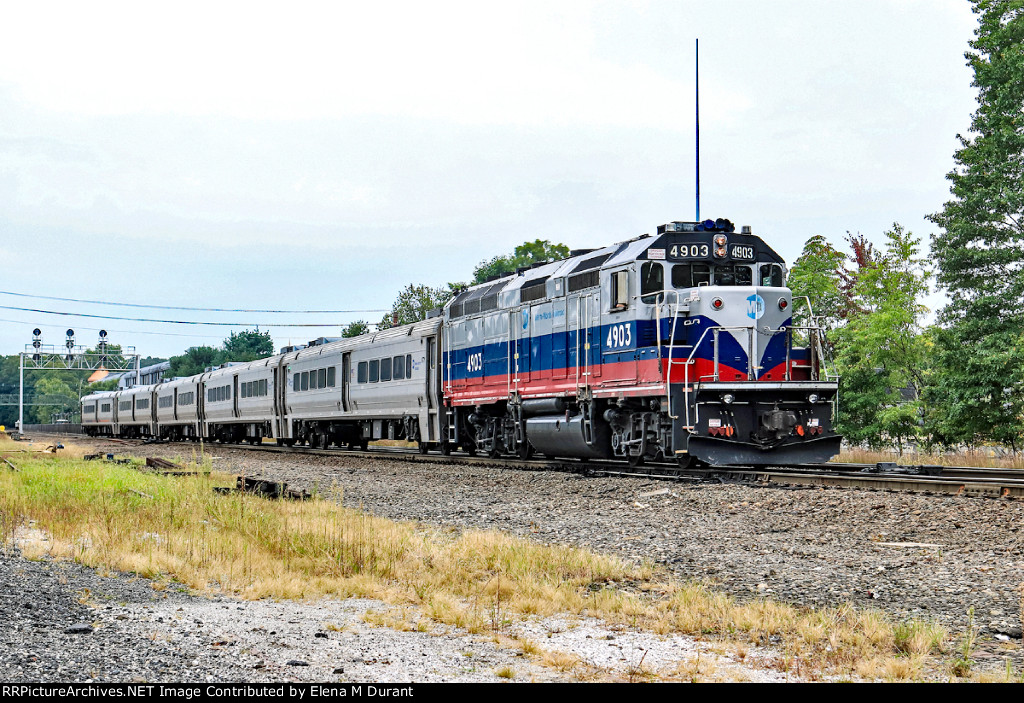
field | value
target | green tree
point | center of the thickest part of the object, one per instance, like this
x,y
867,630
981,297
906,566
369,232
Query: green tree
x,y
195,360
354,329
248,345
413,304
980,248
816,275
52,386
881,351
526,254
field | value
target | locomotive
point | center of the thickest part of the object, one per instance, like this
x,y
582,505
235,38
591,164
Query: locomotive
x,y
676,346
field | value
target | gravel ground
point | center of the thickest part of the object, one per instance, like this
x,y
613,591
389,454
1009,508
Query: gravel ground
x,y
931,557
66,623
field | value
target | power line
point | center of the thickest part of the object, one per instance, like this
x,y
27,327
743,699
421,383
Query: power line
x,y
175,307
176,322
97,329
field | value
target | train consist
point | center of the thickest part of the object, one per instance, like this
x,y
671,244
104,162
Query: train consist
x,y
676,346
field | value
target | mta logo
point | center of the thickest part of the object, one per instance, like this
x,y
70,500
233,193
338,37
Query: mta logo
x,y
755,307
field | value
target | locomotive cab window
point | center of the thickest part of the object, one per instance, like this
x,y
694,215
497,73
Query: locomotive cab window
x,y
652,282
771,275
620,291
732,275
690,275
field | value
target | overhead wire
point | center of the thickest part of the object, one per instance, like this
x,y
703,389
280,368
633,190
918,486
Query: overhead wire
x,y
175,322
97,329
177,307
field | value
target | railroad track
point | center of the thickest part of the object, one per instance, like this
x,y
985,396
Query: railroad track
x,y
934,479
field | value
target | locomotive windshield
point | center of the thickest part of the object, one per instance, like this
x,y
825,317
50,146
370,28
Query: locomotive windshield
x,y
694,275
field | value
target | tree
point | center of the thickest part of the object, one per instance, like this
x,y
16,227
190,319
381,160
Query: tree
x,y
52,386
980,248
194,361
413,304
816,275
526,254
354,329
248,345
881,350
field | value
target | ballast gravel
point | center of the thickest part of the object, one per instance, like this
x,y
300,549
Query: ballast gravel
x,y
909,555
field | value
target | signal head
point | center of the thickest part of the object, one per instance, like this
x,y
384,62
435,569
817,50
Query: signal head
x,y
36,332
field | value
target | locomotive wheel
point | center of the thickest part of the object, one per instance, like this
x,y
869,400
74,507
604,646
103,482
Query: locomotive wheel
x,y
495,451
446,449
525,450
423,448
686,461
470,449
635,461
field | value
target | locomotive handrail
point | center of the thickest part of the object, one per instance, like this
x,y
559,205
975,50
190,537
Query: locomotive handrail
x,y
689,360
671,341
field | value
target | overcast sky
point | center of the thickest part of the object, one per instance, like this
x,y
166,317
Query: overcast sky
x,y
324,155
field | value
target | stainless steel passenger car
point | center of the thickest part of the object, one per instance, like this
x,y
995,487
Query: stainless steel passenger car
x,y
98,414
134,415
382,385
178,404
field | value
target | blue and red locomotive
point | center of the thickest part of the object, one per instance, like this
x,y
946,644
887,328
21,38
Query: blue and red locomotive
x,y
675,346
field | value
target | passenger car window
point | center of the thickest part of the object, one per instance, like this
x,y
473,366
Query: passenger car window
x,y
321,378
305,380
385,369
398,367
361,373
330,377
374,371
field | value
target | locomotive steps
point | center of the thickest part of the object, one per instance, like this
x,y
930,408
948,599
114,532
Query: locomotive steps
x,y
480,581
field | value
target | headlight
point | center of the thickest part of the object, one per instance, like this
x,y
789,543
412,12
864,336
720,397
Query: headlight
x,y
728,398
812,398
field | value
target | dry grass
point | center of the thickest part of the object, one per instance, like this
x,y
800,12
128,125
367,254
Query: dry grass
x,y
480,581
978,457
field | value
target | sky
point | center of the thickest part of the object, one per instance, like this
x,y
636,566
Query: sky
x,y
322,156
